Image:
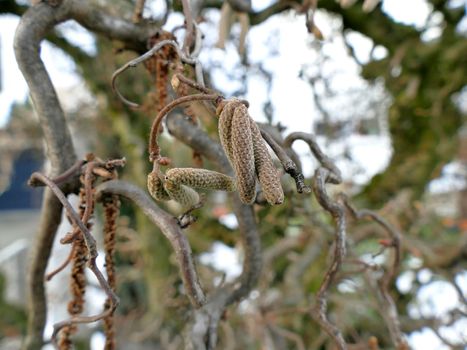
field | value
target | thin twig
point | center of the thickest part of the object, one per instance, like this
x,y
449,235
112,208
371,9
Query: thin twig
x,y
90,241
180,78
170,230
393,233
335,177
287,163
337,210
51,275
92,251
88,319
64,177
134,62
154,150
387,304
188,42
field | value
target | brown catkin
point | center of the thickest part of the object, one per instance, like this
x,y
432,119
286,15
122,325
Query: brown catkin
x,y
78,277
159,67
111,211
184,195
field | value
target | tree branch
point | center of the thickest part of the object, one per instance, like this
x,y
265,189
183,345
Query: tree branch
x,y
97,20
51,216
33,27
337,210
170,229
204,330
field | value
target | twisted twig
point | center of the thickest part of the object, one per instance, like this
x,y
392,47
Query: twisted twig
x,y
60,268
204,331
335,176
79,258
337,210
134,62
287,163
92,254
170,230
388,307
154,150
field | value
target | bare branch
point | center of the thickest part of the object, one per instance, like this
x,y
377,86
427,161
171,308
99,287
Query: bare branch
x,y
33,27
170,229
207,319
51,216
97,20
147,55
287,163
36,22
337,210
60,268
386,302
392,232
154,151
179,78
114,301
335,175
65,177
189,35
92,251
90,241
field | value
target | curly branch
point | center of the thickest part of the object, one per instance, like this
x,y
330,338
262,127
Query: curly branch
x,y
337,210
170,229
204,329
34,26
335,174
287,163
92,251
387,305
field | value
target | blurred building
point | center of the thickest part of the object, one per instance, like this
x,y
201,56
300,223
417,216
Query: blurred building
x,y
19,214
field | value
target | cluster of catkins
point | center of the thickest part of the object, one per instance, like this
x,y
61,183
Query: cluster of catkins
x,y
247,152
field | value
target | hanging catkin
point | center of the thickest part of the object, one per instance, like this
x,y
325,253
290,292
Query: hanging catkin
x,y
247,153
111,211
78,277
